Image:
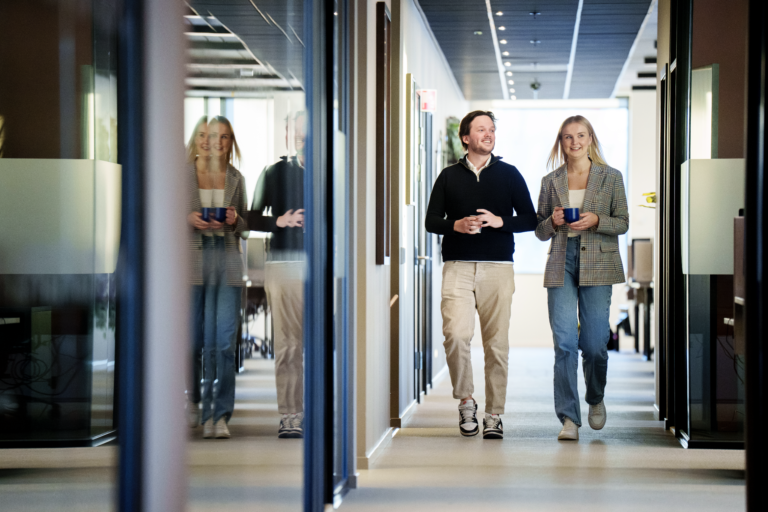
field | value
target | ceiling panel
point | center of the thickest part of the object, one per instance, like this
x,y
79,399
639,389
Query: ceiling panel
x,y
538,46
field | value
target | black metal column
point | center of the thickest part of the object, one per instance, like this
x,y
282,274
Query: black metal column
x,y
131,268
318,339
756,258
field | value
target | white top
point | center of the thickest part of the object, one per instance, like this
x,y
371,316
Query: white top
x,y
576,200
212,198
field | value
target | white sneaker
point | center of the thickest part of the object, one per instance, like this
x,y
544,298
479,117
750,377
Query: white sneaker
x,y
597,415
291,426
220,429
208,429
492,427
468,425
193,413
570,431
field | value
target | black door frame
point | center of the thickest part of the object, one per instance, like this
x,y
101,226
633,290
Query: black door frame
x,y
756,257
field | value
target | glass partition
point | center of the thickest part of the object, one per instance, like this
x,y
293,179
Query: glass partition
x,y
245,133
60,222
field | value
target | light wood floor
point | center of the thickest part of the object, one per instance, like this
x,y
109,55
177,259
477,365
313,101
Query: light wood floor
x,y
632,464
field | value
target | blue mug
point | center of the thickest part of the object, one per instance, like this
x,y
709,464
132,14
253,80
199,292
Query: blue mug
x,y
219,214
207,213
571,214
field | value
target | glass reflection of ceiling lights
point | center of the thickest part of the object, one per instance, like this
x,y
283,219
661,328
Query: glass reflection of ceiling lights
x,y
237,52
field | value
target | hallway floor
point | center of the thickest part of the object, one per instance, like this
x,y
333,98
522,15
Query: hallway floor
x,y
632,464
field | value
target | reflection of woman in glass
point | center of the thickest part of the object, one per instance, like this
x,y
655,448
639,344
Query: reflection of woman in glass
x,y
582,265
217,271
281,189
198,154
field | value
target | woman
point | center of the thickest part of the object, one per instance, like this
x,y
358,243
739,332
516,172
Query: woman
x,y
582,266
217,270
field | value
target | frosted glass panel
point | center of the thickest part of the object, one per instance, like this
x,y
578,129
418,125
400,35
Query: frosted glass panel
x,y
59,216
704,105
712,194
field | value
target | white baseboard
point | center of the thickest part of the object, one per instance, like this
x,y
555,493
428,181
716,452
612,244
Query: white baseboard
x,y
366,462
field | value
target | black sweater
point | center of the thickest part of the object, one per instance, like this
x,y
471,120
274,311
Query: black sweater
x,y
458,192
280,188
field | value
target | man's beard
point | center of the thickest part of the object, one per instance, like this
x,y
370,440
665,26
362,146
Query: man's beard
x,y
479,148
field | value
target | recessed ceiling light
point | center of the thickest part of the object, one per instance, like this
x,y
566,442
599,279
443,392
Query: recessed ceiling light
x,y
509,73
513,97
499,13
511,89
511,82
478,32
505,53
502,28
507,64
503,41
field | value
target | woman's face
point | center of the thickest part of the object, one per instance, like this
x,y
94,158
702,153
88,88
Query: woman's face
x,y
201,140
576,141
220,139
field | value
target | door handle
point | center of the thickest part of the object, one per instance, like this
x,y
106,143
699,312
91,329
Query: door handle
x,y
423,258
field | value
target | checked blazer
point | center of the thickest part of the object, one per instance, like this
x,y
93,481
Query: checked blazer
x,y
600,261
234,195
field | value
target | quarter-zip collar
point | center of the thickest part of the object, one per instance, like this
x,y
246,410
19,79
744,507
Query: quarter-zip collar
x,y
492,159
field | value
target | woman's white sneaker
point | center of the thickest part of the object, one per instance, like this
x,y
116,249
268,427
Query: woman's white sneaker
x,y
570,431
597,415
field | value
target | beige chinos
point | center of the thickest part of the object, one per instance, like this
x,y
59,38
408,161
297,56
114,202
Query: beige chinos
x,y
284,284
488,288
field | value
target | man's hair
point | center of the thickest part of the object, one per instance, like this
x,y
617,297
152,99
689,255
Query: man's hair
x,y
464,126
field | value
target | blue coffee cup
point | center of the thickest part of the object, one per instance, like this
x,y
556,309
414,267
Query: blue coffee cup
x,y
206,213
219,214
571,214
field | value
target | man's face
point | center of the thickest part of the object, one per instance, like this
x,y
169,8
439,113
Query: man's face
x,y
482,136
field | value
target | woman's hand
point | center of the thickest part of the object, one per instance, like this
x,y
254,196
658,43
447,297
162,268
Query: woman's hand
x,y
195,220
586,221
558,217
291,219
231,215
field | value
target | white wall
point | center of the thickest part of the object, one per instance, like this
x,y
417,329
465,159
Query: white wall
x,y
422,57
642,163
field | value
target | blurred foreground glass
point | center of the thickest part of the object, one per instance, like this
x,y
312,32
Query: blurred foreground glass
x,y
59,237
245,131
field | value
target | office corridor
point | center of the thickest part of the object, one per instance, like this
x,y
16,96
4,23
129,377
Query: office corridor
x,y
632,464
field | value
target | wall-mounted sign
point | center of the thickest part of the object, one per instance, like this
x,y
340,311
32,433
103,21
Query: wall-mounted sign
x,y
428,99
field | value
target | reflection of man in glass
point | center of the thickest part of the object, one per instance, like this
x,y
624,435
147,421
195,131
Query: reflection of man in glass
x,y
281,189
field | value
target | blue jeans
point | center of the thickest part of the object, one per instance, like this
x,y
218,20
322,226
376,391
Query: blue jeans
x,y
220,315
590,333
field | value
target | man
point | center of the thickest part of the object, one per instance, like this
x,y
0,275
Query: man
x,y
472,205
281,189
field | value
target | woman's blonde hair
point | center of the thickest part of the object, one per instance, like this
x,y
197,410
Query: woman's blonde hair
x,y
234,151
192,145
557,156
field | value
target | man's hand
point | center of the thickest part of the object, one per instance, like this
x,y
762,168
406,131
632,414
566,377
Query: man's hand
x,y
291,219
586,221
487,219
467,225
558,217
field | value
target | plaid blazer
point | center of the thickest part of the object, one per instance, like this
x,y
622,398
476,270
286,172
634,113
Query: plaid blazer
x,y
234,195
600,262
